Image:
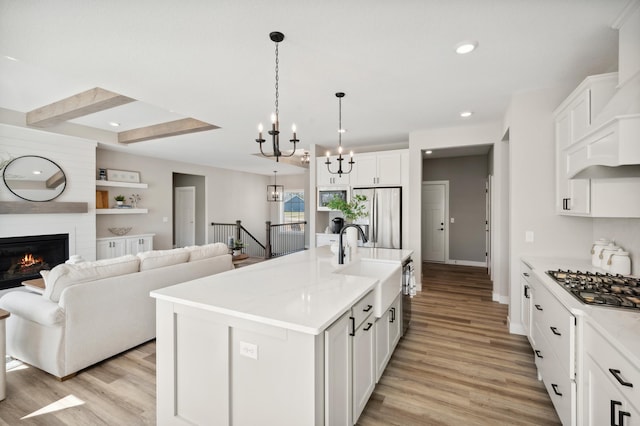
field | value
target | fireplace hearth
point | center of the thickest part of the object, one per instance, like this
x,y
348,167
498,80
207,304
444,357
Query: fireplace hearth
x,y
22,258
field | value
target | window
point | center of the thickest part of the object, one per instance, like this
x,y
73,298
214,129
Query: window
x,y
293,206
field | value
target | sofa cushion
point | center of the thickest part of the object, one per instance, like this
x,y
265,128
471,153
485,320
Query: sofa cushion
x,y
206,251
160,258
65,275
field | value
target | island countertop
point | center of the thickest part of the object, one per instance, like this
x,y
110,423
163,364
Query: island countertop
x,y
299,292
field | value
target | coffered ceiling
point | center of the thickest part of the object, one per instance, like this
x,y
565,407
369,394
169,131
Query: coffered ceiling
x,y
213,61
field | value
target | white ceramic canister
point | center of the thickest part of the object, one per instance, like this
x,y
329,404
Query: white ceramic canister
x,y
619,262
596,250
605,253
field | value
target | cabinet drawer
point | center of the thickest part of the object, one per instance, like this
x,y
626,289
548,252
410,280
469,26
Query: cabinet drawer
x,y
557,325
561,389
615,365
362,309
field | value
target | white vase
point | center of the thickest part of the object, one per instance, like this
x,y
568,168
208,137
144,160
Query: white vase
x,y
352,239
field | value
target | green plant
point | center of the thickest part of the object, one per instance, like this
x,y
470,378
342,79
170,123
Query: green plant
x,y
238,245
119,197
351,210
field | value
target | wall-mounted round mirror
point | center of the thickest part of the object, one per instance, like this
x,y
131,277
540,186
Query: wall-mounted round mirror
x,y
34,178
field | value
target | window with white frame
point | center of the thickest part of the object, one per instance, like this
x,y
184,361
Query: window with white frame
x,y
293,206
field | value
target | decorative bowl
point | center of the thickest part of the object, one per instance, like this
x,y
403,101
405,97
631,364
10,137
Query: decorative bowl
x,y
120,231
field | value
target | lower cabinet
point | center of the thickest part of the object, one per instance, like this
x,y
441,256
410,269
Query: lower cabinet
x,y
364,377
338,372
107,248
526,290
388,332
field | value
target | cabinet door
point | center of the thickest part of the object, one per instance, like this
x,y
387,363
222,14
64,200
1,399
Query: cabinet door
x,y
325,178
525,295
382,343
363,366
395,324
365,171
389,168
139,244
337,359
107,249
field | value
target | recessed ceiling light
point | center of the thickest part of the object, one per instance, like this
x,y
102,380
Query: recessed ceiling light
x,y
11,58
114,124
465,47
466,114
342,130
429,152
37,172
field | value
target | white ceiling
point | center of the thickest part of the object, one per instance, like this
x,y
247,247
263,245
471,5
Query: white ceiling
x,y
212,60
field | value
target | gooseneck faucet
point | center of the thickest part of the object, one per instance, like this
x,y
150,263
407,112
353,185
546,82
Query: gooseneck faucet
x,y
341,247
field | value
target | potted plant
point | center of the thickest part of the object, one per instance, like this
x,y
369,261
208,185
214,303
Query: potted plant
x,y
119,199
351,211
237,247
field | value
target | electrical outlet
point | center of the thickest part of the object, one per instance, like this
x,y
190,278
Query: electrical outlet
x,y
453,220
528,236
249,350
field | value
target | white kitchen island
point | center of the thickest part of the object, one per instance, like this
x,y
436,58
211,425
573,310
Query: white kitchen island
x,y
251,346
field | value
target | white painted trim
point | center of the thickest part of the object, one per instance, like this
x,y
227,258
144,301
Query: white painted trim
x,y
504,300
466,263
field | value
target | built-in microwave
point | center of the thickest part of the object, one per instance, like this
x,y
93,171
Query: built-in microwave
x,y
327,194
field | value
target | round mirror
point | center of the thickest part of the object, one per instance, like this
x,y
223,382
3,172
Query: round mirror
x,y
34,178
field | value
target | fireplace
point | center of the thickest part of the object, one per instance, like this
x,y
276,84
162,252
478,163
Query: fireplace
x,y
22,258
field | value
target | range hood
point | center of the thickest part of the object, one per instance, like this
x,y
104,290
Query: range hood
x,y
611,147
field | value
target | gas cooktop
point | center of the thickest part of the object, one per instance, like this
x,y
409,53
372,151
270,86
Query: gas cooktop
x,y
595,288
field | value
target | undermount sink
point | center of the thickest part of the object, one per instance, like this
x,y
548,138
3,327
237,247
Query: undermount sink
x,y
389,276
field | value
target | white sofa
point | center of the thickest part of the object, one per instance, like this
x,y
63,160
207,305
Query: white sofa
x,y
91,311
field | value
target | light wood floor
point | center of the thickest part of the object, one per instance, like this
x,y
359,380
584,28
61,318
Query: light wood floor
x,y
457,365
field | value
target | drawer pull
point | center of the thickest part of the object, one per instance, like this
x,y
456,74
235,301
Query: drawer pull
x,y
616,374
539,354
526,274
621,414
555,389
555,331
526,292
367,309
353,326
538,307
392,317
369,325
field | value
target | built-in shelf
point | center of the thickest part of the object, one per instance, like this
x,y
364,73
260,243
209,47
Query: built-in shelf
x,y
114,184
45,207
122,211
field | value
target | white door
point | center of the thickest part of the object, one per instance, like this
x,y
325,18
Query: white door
x,y
434,226
487,225
185,215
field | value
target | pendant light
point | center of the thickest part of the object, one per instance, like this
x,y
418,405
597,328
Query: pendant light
x,y
340,172
276,37
275,192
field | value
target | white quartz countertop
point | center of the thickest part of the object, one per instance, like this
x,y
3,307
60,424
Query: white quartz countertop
x,y
299,292
622,326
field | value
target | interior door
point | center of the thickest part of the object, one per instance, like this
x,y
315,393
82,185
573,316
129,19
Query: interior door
x,y
185,215
433,222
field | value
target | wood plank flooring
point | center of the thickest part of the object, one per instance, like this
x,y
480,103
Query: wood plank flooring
x,y
457,365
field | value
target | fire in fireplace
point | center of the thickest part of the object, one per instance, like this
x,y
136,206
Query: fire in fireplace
x,y
22,258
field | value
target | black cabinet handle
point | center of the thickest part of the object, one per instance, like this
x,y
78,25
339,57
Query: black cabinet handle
x,y
616,374
614,404
538,307
526,292
353,326
526,274
392,318
539,354
369,325
368,308
621,415
555,389
555,331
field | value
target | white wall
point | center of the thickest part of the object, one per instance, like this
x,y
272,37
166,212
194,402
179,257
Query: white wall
x,y
625,232
481,134
230,196
76,157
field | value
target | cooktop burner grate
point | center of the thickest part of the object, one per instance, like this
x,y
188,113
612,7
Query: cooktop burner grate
x,y
595,288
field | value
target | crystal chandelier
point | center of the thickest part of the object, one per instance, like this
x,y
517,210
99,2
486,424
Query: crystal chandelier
x,y
340,172
276,37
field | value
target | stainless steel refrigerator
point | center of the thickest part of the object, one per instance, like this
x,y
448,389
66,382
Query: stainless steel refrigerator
x,y
383,225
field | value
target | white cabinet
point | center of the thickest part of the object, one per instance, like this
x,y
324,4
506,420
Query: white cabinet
x,y
611,388
325,178
337,362
363,367
106,248
526,291
382,168
387,335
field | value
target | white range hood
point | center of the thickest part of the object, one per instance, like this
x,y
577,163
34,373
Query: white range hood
x,y
611,147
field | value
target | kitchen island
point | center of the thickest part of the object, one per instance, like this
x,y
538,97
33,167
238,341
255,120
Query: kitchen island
x,y
273,343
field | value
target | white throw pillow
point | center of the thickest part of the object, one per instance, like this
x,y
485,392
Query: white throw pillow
x,y
206,251
65,275
160,258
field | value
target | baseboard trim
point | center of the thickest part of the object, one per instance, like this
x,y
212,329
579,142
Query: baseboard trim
x,y
516,328
466,263
504,300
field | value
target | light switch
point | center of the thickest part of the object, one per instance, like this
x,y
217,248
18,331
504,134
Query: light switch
x,y
249,350
528,236
453,220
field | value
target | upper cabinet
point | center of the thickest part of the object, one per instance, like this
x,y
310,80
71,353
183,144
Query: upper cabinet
x,y
326,178
377,169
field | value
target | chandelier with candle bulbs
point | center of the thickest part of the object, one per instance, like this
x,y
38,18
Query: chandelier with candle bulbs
x,y
340,172
276,37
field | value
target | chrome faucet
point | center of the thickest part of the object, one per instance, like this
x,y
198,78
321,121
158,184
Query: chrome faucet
x,y
341,247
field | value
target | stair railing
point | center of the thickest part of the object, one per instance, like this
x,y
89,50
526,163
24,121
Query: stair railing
x,y
281,239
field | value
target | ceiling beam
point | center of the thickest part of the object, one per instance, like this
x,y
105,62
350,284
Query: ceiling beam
x,y
163,130
75,106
